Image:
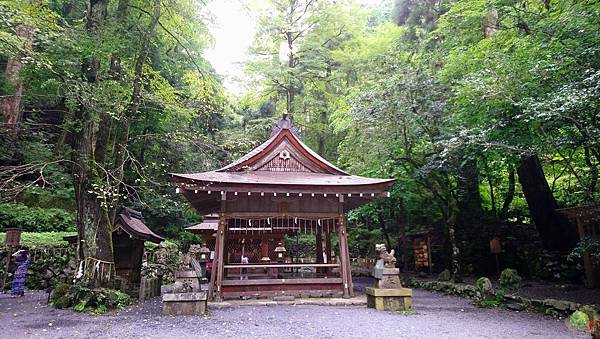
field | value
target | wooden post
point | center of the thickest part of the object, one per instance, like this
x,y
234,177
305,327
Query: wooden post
x,y
319,246
591,272
343,223
344,255
213,274
219,260
10,250
328,251
264,248
429,258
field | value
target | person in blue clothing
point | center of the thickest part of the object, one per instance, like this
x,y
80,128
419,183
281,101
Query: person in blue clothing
x,y
22,259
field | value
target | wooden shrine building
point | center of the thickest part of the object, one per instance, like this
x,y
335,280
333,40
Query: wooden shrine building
x,y
129,234
587,218
280,189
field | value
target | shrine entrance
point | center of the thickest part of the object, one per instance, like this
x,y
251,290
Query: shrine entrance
x,y
259,259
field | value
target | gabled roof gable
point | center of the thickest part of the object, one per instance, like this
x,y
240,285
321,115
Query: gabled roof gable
x,y
283,152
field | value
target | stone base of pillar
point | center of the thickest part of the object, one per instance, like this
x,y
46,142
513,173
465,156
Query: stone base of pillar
x,y
389,299
191,303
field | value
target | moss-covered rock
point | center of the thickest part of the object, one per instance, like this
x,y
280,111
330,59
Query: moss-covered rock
x,y
510,280
445,275
484,289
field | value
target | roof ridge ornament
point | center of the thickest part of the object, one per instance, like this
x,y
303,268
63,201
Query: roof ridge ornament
x,y
284,123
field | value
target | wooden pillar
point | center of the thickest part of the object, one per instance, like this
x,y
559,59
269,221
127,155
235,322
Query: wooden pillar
x,y
319,243
344,254
264,248
328,252
319,246
213,273
220,258
344,243
220,251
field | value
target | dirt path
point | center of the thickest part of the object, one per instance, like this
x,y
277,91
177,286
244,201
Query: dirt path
x,y
437,316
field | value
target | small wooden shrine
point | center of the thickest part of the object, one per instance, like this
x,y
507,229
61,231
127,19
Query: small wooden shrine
x,y
588,226
129,235
280,189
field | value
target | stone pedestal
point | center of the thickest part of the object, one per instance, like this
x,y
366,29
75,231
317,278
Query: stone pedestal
x,y
190,303
186,281
389,299
388,293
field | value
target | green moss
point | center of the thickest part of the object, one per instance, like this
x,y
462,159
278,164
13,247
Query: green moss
x,y
510,279
60,296
82,299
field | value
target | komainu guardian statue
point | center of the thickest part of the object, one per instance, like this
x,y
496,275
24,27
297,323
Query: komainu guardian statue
x,y
387,293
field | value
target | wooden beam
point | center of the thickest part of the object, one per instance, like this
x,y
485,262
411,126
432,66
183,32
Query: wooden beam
x,y
377,190
254,282
302,215
280,265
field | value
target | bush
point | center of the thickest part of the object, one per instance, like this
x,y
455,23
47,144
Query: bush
x,y
42,239
579,320
60,296
510,279
35,219
83,299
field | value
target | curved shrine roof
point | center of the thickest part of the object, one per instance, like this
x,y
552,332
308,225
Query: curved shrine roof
x,y
282,160
282,178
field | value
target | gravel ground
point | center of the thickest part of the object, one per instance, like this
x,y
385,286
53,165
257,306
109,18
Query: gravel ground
x,y
437,316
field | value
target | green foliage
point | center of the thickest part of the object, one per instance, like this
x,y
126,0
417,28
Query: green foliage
x,y
410,90
489,303
552,312
510,279
579,320
589,246
500,295
35,219
163,261
60,295
83,299
42,239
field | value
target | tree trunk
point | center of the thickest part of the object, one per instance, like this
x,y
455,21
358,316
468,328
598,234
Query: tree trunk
x,y
94,228
510,194
468,227
555,230
10,105
454,250
468,196
385,231
136,96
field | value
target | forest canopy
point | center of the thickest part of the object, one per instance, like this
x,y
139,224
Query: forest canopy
x,y
486,112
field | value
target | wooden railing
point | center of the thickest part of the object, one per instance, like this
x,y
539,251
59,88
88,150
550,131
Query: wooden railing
x,y
279,265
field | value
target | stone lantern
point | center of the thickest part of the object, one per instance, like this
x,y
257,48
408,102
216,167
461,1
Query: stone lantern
x,y
280,252
204,252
